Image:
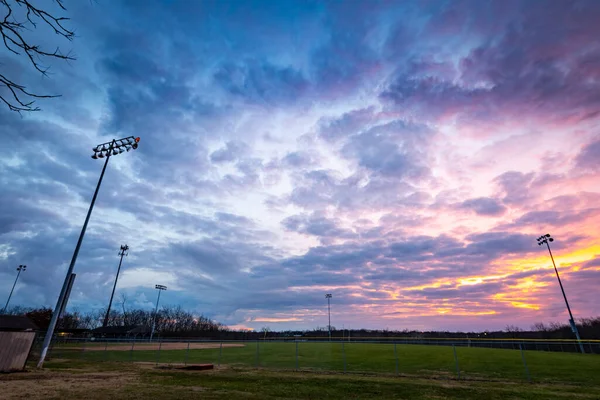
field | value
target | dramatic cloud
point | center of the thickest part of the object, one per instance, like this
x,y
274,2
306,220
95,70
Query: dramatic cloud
x,y
402,156
484,206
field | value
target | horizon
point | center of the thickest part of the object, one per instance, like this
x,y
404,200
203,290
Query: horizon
x,y
402,156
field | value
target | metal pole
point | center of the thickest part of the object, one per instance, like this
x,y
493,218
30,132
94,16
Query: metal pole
x,y
158,352
63,291
13,288
155,312
525,363
187,353
63,308
122,253
344,355
296,354
329,313
571,320
456,361
257,344
220,353
131,354
396,357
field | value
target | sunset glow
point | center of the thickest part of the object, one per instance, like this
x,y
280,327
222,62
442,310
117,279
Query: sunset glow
x,y
402,156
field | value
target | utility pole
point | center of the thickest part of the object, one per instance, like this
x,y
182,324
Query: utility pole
x,y
122,253
19,269
546,239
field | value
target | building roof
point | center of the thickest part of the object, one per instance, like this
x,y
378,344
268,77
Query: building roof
x,y
16,323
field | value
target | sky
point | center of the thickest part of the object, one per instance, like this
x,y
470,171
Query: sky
x,y
401,155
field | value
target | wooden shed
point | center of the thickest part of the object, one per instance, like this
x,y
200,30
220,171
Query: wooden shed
x,y
17,334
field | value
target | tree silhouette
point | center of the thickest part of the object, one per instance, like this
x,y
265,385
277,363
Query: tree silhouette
x,y
19,17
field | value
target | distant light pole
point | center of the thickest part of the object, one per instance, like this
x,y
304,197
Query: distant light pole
x,y
122,253
19,269
328,297
160,288
546,239
108,149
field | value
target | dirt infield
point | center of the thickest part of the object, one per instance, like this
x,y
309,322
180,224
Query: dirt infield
x,y
155,346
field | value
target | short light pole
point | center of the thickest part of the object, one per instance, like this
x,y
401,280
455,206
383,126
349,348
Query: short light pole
x,y
328,297
104,150
546,239
122,253
20,268
160,288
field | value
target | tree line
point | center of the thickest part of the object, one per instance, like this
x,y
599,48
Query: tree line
x,y
173,321
169,320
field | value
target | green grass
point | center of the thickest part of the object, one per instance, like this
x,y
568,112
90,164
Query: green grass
x,y
252,383
415,360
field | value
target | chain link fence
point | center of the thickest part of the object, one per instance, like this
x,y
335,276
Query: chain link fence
x,y
521,360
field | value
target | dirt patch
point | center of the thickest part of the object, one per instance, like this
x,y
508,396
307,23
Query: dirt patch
x,y
46,384
155,346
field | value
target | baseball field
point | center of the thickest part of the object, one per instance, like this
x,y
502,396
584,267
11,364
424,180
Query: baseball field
x,y
422,361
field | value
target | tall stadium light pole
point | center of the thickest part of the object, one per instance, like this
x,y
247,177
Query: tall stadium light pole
x,y
547,239
19,269
160,288
122,253
104,150
328,297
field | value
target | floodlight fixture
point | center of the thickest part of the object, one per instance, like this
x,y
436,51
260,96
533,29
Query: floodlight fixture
x,y
100,151
115,147
546,239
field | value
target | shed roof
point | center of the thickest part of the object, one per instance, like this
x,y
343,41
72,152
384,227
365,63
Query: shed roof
x,y
16,323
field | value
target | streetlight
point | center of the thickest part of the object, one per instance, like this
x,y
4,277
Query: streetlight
x,y
108,149
122,253
19,269
546,239
160,288
328,297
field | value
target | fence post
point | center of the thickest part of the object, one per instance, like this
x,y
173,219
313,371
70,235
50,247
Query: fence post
x,y
220,352
58,349
456,361
187,352
257,361
525,363
344,355
396,357
158,352
296,354
83,347
131,351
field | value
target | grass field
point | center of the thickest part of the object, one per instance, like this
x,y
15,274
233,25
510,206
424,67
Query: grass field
x,y
76,379
423,361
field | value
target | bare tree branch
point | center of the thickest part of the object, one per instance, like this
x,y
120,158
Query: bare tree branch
x,y
11,31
